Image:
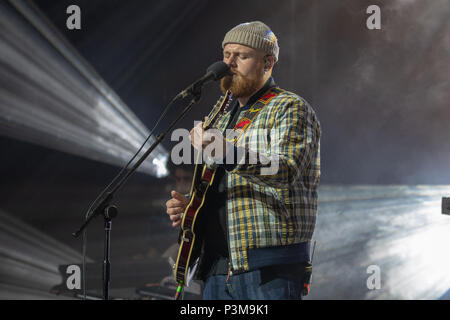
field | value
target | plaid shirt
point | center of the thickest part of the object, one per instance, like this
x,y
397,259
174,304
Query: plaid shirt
x,y
272,195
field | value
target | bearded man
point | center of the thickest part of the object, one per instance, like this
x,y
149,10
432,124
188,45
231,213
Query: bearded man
x,y
259,216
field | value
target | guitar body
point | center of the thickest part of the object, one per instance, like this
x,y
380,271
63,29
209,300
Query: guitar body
x,y
199,189
187,244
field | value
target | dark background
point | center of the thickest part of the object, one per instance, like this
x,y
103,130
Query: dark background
x,y
382,97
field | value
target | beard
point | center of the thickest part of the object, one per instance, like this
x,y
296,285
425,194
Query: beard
x,y
239,85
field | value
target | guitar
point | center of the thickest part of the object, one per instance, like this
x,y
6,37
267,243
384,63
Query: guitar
x,y
199,188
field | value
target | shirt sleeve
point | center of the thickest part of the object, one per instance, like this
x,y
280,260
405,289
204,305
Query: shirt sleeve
x,y
294,140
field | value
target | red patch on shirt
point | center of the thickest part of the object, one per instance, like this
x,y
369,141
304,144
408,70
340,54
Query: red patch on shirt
x,y
268,96
242,123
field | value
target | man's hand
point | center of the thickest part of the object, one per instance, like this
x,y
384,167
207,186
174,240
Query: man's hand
x,y
211,139
176,207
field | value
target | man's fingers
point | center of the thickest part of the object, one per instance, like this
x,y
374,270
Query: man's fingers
x,y
175,203
178,196
175,217
176,207
175,194
176,224
178,200
207,137
196,136
177,210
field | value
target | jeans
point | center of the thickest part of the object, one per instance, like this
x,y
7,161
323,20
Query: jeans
x,y
268,283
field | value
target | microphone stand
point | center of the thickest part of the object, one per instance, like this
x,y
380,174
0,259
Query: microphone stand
x,y
109,211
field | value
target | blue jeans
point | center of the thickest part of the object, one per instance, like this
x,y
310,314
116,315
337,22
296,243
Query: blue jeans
x,y
260,284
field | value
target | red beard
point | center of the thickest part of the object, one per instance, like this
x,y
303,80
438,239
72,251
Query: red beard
x,y
239,85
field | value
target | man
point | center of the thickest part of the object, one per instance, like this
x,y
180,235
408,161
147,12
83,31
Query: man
x,y
261,209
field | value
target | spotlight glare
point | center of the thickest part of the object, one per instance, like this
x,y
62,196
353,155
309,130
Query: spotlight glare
x,y
51,97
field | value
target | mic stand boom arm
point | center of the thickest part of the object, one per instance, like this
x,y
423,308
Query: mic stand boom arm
x,y
110,211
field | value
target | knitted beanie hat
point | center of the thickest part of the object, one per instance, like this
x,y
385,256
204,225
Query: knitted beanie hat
x,y
255,35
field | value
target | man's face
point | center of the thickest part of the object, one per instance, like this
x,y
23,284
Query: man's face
x,y
247,66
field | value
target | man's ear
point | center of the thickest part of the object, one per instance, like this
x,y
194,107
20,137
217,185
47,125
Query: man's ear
x,y
268,62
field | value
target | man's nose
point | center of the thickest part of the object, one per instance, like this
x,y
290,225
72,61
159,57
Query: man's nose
x,y
230,61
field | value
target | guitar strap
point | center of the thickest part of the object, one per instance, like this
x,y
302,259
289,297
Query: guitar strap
x,y
251,113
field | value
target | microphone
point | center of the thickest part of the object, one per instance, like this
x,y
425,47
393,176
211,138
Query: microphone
x,y
215,72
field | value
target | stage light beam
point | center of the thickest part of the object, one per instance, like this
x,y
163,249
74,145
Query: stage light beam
x,y
51,97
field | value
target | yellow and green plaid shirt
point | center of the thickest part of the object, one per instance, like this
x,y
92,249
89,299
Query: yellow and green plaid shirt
x,y
272,195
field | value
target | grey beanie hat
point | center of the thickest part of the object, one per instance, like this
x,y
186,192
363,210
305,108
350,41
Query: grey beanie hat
x,y
256,35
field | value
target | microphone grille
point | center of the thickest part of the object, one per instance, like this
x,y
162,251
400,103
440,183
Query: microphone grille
x,y
219,69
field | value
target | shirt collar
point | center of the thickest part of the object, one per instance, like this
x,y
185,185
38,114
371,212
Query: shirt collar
x,y
270,83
